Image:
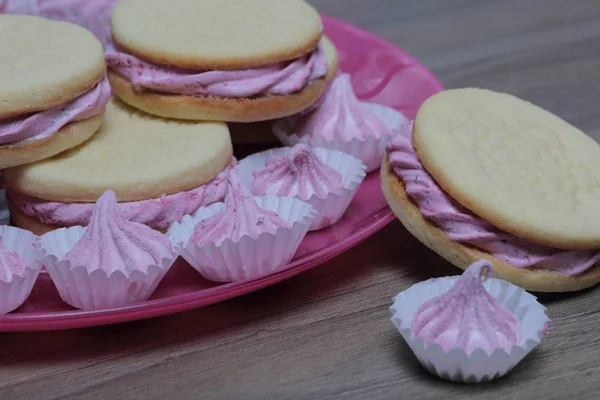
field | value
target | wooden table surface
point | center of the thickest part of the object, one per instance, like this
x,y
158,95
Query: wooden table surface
x,y
327,333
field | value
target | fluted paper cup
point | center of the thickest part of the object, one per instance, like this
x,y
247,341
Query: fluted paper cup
x,y
456,365
93,289
16,288
247,258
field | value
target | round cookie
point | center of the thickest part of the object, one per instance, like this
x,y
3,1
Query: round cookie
x,y
517,166
216,34
137,155
533,279
226,109
46,64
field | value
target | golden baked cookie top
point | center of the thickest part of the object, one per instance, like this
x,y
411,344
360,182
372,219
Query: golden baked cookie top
x,y
216,34
45,63
134,154
514,164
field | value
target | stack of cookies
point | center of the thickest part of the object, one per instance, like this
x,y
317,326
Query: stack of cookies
x,y
104,151
179,72
53,88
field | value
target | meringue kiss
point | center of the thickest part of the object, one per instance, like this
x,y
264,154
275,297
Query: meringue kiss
x,y
467,316
300,174
112,243
240,217
342,115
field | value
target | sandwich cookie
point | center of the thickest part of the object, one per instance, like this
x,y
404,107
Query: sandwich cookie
x,y
159,170
53,89
225,60
485,175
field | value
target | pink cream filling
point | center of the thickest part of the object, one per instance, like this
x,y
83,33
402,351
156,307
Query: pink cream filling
x,y
157,213
461,226
279,79
46,123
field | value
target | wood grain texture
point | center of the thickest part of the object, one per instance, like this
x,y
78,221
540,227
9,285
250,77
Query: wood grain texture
x,y
326,334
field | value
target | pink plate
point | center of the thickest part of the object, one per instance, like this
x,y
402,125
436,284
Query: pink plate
x,y
381,73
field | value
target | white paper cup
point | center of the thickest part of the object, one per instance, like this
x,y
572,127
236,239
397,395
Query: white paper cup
x,y
369,151
95,289
455,365
17,289
329,208
247,258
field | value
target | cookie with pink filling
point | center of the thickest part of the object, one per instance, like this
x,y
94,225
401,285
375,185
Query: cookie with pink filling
x,y
471,328
54,89
325,179
159,169
496,207
234,60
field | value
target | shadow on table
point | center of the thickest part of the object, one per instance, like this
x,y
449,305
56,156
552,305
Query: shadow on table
x,y
406,360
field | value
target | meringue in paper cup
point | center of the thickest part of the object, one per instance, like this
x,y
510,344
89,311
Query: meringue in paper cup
x,y
95,289
111,265
470,363
247,258
330,203
344,123
19,267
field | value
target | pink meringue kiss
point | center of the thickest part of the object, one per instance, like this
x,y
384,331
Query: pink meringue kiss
x,y
19,267
469,328
467,316
244,238
326,179
109,263
342,122
271,80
